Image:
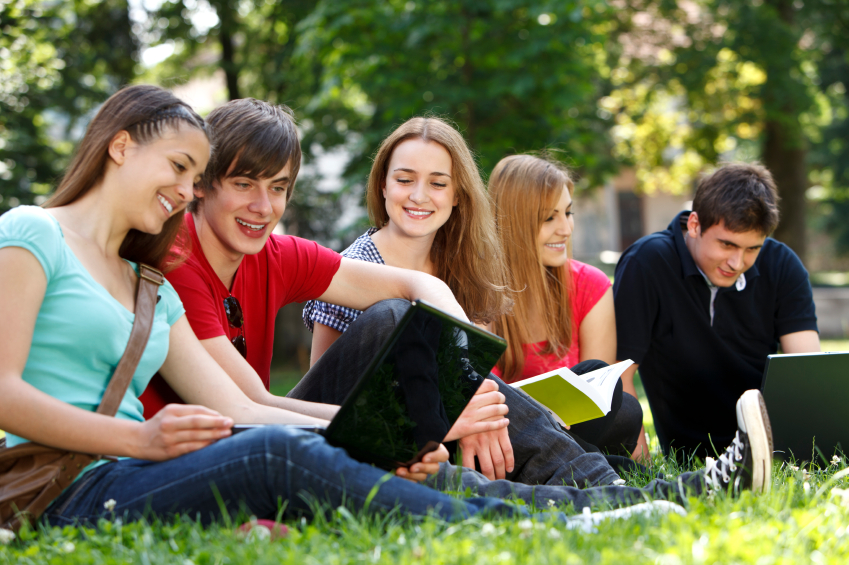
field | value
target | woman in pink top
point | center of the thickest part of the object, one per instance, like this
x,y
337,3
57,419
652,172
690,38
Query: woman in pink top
x,y
564,314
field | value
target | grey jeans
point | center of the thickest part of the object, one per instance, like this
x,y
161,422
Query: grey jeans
x,y
547,459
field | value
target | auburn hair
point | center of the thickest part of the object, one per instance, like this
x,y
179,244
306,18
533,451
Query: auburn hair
x,y
146,112
525,189
465,251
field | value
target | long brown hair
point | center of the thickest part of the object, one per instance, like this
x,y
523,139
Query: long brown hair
x,y
146,112
525,189
465,251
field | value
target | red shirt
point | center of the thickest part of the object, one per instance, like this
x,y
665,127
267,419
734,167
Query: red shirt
x,y
288,269
588,286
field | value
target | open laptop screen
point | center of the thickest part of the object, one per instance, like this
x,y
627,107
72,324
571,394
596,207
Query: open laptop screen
x,y
807,395
415,388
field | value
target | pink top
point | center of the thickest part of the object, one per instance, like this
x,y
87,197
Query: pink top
x,y
588,284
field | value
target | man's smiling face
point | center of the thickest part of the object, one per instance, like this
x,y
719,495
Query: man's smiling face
x,y
721,254
243,211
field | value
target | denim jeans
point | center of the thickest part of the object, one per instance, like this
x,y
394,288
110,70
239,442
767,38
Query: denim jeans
x,y
545,454
256,471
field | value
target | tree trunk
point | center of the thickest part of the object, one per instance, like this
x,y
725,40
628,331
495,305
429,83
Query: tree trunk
x,y
785,152
228,50
785,158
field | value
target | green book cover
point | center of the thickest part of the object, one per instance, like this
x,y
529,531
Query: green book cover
x,y
575,398
562,398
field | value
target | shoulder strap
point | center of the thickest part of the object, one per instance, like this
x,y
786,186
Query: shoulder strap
x,y
149,282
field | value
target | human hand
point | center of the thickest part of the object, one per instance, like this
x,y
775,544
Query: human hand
x,y
178,429
493,450
484,413
429,465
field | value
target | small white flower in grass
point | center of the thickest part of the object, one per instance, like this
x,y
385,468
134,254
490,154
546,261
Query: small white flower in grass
x,y
793,467
488,530
842,494
551,503
618,482
6,536
68,547
806,476
553,534
835,460
525,525
109,505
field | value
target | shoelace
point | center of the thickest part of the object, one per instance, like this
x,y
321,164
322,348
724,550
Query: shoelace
x,y
716,468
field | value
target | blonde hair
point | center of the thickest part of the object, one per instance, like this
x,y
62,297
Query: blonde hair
x,y
465,250
525,189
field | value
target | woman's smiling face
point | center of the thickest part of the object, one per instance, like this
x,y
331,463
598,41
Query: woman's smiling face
x,y
164,170
555,232
419,191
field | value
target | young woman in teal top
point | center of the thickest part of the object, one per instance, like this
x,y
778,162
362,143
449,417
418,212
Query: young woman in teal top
x,y
68,274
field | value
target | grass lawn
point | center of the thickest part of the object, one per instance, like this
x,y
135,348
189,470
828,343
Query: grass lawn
x,y
805,519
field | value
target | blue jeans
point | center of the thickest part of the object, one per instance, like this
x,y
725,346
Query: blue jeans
x,y
546,455
257,471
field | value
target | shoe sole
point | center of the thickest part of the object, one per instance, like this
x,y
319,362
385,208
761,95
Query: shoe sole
x,y
753,419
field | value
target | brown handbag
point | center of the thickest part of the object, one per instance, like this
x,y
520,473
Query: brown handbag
x,y
34,475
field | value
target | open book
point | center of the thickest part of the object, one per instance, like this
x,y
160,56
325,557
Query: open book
x,y
575,398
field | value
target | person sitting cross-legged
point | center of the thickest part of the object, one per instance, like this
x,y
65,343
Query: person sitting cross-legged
x,y
700,305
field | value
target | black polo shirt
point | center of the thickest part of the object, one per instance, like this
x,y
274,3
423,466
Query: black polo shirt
x,y
694,371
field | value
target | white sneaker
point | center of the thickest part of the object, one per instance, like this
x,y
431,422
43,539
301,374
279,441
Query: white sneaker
x,y
747,462
587,520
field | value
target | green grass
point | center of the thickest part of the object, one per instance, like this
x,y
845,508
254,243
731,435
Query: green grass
x,y
793,524
805,519
284,380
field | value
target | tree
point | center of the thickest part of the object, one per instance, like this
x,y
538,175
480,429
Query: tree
x,y
252,42
58,62
734,79
514,77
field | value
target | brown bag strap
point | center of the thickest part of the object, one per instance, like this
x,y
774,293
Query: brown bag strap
x,y
146,296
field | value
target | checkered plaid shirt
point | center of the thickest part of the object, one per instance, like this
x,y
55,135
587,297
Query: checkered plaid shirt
x,y
339,317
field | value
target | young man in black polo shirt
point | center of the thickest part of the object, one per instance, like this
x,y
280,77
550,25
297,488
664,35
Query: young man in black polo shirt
x,y
700,305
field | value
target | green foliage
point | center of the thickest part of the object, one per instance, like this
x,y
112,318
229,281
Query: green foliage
x,y
58,62
702,79
513,77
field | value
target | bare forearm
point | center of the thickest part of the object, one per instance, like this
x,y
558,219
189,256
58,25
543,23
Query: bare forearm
x,y
312,409
29,413
359,285
241,373
259,414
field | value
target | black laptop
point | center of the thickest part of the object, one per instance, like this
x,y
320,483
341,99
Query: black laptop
x,y
414,389
807,395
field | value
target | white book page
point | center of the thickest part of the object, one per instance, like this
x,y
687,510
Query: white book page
x,y
597,385
604,381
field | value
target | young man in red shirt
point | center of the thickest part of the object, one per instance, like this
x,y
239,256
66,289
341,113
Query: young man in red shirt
x,y
234,256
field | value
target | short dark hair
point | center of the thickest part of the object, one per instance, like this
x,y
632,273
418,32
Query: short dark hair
x,y
260,137
743,195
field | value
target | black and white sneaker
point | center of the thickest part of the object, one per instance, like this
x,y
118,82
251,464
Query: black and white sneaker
x,y
747,463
